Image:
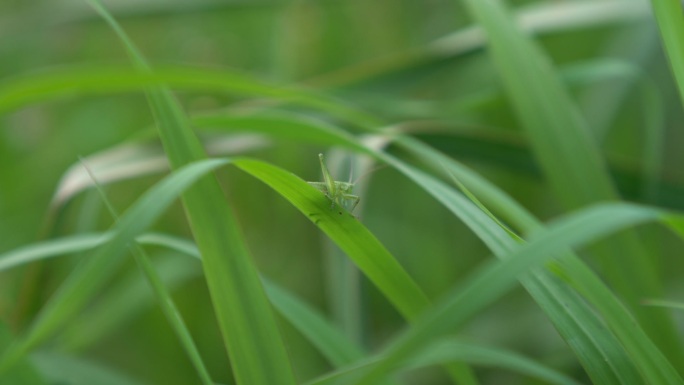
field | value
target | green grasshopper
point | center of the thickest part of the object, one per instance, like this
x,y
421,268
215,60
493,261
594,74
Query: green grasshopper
x,y
339,193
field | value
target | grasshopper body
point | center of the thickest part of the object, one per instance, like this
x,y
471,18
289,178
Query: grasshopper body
x,y
339,193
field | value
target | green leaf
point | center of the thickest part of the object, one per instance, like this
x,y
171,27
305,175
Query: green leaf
x,y
92,273
452,350
246,321
598,350
127,297
670,17
348,233
163,298
495,279
570,158
62,369
330,341
24,372
84,80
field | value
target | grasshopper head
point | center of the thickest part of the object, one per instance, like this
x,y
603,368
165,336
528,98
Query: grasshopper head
x,y
344,187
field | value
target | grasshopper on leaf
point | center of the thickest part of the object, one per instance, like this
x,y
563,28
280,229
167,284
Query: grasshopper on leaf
x,y
338,192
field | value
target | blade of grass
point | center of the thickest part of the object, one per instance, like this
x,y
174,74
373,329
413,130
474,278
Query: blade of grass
x,y
330,341
454,350
560,136
664,303
348,233
570,158
92,273
129,296
356,241
343,228
162,295
575,321
62,369
125,298
25,372
597,347
248,326
670,17
583,330
84,80
653,148
495,279
598,351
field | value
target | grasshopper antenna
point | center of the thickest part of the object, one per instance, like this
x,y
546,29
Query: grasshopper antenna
x,y
365,174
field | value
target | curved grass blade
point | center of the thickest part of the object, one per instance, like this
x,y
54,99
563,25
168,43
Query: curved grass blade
x,y
495,279
560,137
597,346
250,333
475,354
62,369
345,230
664,303
24,372
33,88
599,352
125,298
670,17
571,159
129,296
355,240
162,296
92,273
584,331
451,350
331,342
348,233
71,245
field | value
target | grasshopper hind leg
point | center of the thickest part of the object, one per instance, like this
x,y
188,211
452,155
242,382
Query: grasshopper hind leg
x,y
355,199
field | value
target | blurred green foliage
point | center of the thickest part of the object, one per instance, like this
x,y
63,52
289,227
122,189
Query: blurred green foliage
x,y
379,56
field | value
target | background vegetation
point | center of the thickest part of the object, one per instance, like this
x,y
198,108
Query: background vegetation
x,y
491,138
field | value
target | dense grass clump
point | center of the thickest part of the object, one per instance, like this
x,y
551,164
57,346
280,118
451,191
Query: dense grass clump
x,y
516,162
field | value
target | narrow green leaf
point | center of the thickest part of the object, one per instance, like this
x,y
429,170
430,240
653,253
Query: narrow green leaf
x,y
84,80
663,303
570,158
34,252
355,240
452,350
670,17
127,297
163,297
648,351
583,330
561,138
600,353
24,372
495,279
62,369
332,343
93,272
348,233
248,326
